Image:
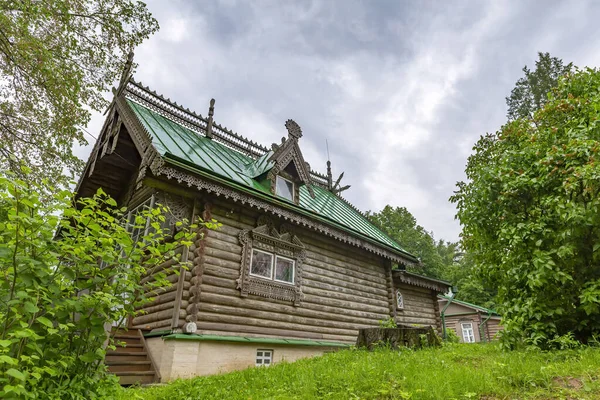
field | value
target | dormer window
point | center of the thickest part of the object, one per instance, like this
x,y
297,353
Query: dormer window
x,y
284,188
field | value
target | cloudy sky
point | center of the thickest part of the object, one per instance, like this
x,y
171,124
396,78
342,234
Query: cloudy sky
x,y
400,89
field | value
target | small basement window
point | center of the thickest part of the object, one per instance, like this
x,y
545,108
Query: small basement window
x,y
284,188
264,357
467,332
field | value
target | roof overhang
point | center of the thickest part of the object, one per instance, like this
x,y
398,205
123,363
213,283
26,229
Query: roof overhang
x,y
422,281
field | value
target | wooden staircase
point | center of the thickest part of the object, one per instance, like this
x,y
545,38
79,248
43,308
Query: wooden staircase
x,y
131,361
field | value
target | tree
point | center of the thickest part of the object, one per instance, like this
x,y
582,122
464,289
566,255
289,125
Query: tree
x,y
55,294
531,92
401,225
468,279
531,216
57,58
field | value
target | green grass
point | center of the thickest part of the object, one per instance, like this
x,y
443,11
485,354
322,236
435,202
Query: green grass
x,y
452,372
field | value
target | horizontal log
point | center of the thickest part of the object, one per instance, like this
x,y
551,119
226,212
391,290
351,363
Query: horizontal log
x,y
233,265
315,323
163,306
341,287
266,305
170,275
218,244
344,264
224,255
357,300
355,278
224,237
207,327
166,297
415,320
214,270
157,316
322,306
158,325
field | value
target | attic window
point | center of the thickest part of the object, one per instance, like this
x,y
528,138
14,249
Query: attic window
x,y
284,188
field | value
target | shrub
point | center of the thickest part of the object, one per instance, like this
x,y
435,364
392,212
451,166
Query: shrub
x,y
55,294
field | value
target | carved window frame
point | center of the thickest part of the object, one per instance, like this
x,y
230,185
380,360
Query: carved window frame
x,y
269,240
399,300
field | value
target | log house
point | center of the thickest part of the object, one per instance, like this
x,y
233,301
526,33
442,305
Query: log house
x,y
294,271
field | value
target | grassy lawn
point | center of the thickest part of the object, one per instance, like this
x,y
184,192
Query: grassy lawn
x,y
452,372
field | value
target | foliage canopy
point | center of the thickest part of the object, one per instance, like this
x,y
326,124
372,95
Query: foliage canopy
x,y
56,296
531,215
57,58
531,91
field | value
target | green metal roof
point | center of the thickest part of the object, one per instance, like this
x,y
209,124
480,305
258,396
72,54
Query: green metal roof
x,y
177,142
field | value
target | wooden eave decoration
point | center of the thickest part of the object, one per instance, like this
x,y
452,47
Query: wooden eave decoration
x,y
420,281
287,152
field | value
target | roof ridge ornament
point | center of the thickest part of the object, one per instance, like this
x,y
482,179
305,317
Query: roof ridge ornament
x,y
209,125
294,130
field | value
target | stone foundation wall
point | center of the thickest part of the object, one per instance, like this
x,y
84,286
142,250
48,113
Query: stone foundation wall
x,y
189,358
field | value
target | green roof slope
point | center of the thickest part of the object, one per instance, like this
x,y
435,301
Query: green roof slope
x,y
175,141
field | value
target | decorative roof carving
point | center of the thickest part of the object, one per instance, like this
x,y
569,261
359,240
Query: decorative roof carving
x,y
421,281
288,152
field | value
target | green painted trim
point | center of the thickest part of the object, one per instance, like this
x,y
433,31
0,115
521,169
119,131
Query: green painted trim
x,y
467,313
284,204
243,339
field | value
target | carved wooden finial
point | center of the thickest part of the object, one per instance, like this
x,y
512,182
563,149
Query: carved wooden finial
x,y
293,129
211,112
329,176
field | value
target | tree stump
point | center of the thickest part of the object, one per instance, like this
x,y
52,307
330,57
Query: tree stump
x,y
402,336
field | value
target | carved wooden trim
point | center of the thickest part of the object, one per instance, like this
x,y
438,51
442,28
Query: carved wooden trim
x,y
268,239
421,281
153,161
219,190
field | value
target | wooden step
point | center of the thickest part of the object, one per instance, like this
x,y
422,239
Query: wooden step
x,y
132,378
126,356
129,366
129,347
127,340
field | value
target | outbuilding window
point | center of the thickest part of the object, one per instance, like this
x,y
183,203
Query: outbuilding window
x,y
467,332
264,358
284,188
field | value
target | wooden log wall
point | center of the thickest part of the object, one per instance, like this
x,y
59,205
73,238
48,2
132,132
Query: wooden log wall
x,y
158,313
344,288
420,306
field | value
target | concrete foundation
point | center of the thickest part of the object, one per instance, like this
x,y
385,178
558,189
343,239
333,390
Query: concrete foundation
x,y
188,358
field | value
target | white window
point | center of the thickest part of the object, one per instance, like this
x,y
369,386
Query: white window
x,y
264,357
139,229
467,332
262,264
284,188
399,300
284,269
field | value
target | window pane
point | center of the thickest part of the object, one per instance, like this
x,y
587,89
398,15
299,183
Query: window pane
x,y
259,354
284,188
262,264
284,270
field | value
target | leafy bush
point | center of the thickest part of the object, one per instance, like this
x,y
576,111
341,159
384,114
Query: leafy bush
x,y
531,216
388,323
56,296
451,336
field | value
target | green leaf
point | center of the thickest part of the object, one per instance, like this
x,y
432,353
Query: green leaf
x,y
15,374
45,321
